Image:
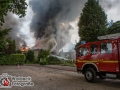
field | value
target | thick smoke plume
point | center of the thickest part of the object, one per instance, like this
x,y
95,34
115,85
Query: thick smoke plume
x,y
112,9
15,34
51,21
109,4
53,17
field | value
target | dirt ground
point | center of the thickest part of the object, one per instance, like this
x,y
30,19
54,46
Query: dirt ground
x,y
56,78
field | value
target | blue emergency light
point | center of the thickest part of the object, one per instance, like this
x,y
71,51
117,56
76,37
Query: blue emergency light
x,y
83,42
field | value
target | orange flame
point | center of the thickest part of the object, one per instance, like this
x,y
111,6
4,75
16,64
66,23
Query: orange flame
x,y
24,49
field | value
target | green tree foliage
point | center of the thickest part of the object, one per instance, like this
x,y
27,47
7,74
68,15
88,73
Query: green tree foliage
x,y
9,46
53,60
92,22
17,7
13,47
18,51
12,59
30,56
115,28
43,54
3,41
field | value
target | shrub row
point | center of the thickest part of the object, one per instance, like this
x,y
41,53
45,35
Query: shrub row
x,y
12,59
50,61
53,60
69,63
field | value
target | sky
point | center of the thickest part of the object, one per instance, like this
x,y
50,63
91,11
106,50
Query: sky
x,y
111,9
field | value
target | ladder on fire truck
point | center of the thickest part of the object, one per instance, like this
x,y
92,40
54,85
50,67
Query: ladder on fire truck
x,y
110,36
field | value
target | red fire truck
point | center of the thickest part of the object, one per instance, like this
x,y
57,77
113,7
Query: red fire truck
x,y
100,59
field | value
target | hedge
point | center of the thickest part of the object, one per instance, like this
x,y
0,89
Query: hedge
x,y
43,61
18,58
50,61
12,59
53,60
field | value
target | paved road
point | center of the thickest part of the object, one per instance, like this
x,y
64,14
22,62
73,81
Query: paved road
x,y
51,78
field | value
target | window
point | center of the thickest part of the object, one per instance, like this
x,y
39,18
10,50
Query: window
x,y
93,49
83,51
106,47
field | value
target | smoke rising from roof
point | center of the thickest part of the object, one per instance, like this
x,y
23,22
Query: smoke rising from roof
x,y
16,24
109,4
51,21
111,8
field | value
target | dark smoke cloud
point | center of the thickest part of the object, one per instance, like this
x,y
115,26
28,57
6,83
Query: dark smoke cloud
x,y
111,7
53,17
16,25
108,4
51,21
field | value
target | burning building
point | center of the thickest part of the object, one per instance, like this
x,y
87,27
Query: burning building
x,y
51,23
24,49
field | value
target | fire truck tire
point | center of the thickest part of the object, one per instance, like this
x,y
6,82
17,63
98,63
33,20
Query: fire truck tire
x,y
90,75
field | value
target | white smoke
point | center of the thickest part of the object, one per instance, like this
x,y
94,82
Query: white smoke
x,y
53,21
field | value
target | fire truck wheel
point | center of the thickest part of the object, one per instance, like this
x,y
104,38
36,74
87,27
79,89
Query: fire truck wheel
x,y
90,75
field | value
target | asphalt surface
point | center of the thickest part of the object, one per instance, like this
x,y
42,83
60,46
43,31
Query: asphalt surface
x,y
53,77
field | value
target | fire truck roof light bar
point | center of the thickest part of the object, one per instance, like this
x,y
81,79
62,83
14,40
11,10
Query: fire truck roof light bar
x,y
110,36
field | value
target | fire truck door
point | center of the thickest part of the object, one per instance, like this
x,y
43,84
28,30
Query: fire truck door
x,y
106,58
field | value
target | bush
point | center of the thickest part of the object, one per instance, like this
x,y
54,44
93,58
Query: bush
x,y
43,54
69,63
35,61
2,60
19,51
12,59
18,58
29,62
53,60
30,56
43,61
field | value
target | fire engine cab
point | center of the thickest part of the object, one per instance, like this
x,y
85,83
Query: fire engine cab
x,y
99,59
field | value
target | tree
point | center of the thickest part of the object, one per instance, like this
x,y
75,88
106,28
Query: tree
x,y
9,46
3,41
17,7
30,56
13,47
43,54
92,22
115,28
